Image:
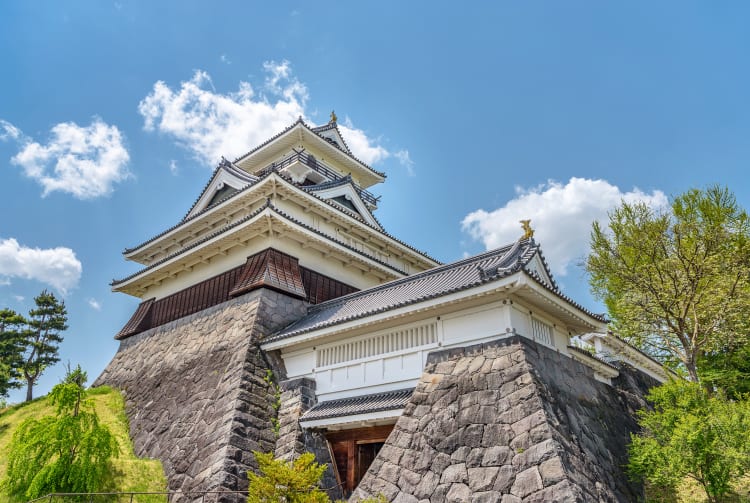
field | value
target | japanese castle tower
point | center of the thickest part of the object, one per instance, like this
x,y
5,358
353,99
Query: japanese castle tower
x,y
279,315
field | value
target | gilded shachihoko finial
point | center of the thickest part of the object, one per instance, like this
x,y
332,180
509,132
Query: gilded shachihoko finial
x,y
333,116
528,232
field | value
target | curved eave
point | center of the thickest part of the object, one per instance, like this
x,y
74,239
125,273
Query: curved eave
x,y
239,234
259,190
577,319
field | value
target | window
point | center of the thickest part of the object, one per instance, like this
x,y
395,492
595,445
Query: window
x,y
541,332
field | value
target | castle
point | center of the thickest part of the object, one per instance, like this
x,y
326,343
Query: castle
x,y
279,315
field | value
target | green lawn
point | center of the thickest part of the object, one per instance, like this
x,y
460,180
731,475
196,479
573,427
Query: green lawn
x,y
128,473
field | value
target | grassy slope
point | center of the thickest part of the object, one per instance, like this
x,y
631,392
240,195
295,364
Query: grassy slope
x,y
128,473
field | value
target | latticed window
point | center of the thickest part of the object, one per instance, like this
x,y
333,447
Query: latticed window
x,y
541,332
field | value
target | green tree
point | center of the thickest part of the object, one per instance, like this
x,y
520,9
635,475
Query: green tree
x,y
68,452
11,350
727,368
691,433
42,338
282,482
675,282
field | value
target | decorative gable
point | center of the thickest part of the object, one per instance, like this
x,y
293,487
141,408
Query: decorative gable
x,y
225,182
538,267
344,194
330,132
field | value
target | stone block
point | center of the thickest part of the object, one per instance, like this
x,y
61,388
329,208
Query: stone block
x,y
506,475
486,497
460,454
458,493
497,455
428,484
527,482
552,471
471,436
405,498
408,480
454,474
482,479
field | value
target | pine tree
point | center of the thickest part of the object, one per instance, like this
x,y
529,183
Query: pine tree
x,y
11,350
42,338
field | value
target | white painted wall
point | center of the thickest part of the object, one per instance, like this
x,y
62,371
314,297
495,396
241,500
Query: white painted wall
x,y
360,365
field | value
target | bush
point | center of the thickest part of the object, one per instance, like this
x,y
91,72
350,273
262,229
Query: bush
x,y
690,433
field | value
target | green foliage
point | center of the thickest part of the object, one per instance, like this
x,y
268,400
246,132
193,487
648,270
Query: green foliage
x,y
282,482
11,350
42,338
68,452
728,369
690,433
675,282
126,473
275,424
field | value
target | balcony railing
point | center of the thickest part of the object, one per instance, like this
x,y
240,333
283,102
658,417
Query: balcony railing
x,y
319,167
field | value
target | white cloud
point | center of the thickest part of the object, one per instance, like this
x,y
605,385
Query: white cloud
x,y
94,304
225,59
363,147
8,131
211,124
405,160
5,282
173,168
561,216
56,267
83,161
19,298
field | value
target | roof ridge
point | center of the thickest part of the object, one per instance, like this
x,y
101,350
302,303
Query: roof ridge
x,y
413,278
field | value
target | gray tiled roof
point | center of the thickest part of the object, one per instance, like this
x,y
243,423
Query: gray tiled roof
x,y
435,282
378,402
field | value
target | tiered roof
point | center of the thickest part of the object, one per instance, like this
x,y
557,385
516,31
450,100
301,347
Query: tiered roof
x,y
240,194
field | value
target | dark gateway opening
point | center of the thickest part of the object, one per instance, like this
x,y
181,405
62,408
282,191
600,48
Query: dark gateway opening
x,y
353,451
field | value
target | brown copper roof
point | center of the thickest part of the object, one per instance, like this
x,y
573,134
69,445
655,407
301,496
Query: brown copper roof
x,y
271,269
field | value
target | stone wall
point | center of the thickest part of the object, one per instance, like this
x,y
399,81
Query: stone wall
x,y
196,391
509,421
297,397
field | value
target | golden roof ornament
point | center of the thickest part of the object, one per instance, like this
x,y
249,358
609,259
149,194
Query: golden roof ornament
x,y
528,232
333,117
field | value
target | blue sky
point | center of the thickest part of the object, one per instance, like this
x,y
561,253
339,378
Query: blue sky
x,y
113,114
